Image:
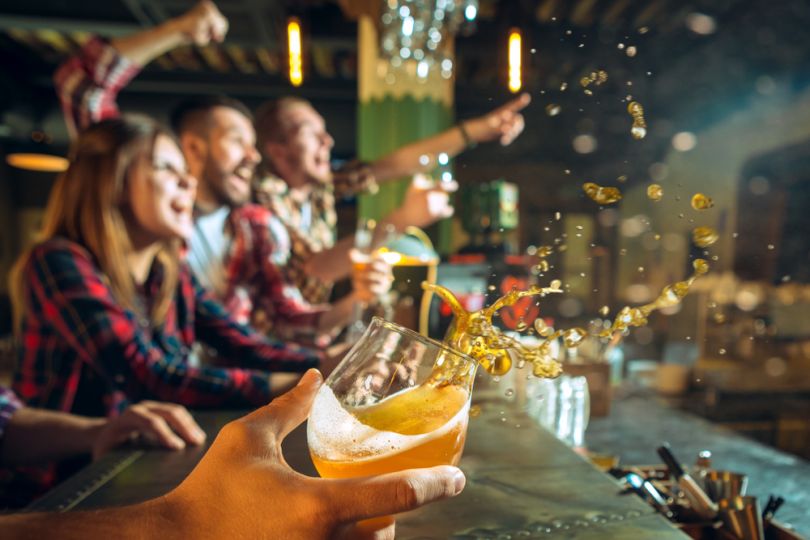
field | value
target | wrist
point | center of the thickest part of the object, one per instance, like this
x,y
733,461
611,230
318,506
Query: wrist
x,y
169,516
466,135
89,432
175,33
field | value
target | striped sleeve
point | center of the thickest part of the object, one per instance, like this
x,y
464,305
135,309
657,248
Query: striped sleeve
x,y
68,290
239,344
88,84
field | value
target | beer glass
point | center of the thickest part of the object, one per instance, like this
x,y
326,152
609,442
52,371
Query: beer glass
x,y
398,400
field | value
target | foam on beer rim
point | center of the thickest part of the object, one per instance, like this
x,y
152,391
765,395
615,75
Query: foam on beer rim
x,y
334,434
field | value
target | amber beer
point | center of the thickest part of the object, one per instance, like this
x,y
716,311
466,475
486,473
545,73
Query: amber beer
x,y
422,426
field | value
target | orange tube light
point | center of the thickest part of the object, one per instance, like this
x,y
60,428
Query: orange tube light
x,y
514,61
37,162
294,48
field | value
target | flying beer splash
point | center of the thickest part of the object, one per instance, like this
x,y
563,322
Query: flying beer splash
x,y
473,333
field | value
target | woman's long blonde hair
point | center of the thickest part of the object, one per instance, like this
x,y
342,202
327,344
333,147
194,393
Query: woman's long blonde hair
x,y
86,204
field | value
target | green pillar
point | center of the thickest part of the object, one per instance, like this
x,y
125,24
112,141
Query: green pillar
x,y
392,113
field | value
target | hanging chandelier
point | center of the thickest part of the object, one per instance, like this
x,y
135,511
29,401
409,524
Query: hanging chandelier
x,y
416,34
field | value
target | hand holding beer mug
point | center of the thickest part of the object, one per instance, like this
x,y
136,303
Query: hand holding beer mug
x,y
398,400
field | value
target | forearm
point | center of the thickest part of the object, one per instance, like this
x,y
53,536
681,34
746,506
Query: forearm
x,y
38,436
331,264
143,47
408,160
334,264
339,316
157,518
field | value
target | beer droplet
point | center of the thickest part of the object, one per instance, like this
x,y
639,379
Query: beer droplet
x,y
594,77
655,192
509,392
604,310
540,326
635,109
719,317
631,51
701,201
573,337
552,109
700,266
555,285
704,236
639,129
600,194
563,87
475,410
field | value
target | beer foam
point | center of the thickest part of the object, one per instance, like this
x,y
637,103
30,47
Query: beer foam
x,y
335,435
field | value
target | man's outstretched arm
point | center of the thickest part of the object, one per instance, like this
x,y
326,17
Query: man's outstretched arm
x,y
503,124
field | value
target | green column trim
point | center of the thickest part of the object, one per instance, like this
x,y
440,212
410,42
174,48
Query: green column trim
x,y
392,115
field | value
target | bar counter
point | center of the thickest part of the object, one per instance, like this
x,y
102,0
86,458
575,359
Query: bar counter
x,y
521,483
640,421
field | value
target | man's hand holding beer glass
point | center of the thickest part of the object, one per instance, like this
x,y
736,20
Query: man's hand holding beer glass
x,y
362,424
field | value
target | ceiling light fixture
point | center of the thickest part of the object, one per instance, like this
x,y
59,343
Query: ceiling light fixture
x,y
514,60
34,161
294,49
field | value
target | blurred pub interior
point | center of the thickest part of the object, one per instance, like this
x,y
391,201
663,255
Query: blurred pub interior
x,y
725,87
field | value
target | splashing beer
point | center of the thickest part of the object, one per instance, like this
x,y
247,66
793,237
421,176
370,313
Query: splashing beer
x,y
397,400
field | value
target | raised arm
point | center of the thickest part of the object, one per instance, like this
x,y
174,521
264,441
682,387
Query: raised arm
x,y
66,289
504,124
88,84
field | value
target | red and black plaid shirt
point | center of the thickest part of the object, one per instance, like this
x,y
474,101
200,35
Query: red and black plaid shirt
x,y
311,225
83,353
88,84
256,292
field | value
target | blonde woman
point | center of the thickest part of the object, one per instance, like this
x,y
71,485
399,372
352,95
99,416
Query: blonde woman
x,y
106,311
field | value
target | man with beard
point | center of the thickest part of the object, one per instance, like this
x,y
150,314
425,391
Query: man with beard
x,y
299,187
236,247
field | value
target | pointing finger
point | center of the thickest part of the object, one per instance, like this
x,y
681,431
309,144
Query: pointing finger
x,y
516,104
